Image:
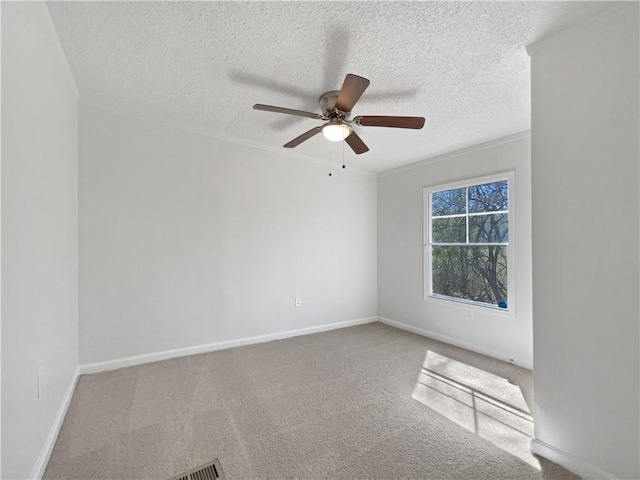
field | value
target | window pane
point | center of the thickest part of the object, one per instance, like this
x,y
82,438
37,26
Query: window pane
x,y
449,230
471,273
490,228
448,202
489,197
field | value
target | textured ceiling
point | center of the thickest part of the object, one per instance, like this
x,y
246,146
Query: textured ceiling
x,y
202,65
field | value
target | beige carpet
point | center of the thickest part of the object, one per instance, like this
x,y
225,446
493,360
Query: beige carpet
x,y
366,401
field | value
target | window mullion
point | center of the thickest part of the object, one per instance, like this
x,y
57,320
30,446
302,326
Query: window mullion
x,y
466,210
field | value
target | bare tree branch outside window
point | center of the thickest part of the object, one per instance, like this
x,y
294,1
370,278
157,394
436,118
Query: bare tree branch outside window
x,y
469,239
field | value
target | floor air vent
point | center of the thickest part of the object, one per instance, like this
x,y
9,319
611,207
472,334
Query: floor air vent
x,y
208,471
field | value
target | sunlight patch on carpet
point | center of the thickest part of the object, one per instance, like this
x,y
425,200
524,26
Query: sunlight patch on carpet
x,y
481,402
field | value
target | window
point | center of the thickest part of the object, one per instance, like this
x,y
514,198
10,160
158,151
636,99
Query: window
x,y
467,238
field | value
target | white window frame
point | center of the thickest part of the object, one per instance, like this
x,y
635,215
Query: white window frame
x,y
511,256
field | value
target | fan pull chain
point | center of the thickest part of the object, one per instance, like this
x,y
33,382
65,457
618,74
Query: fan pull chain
x,y
343,165
330,156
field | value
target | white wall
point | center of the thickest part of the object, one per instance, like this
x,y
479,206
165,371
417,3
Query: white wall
x,y
585,244
187,239
400,252
39,233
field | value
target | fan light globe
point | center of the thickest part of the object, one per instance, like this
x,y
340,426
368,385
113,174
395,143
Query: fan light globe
x,y
336,132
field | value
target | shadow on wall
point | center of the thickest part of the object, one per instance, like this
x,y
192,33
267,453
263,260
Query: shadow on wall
x,y
491,406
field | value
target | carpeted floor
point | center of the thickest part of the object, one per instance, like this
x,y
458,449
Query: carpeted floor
x,y
366,401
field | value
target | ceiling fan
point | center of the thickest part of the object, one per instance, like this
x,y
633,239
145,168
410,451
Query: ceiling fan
x,y
336,108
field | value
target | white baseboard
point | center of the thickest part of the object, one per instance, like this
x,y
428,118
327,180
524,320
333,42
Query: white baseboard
x,y
211,347
47,448
568,461
459,343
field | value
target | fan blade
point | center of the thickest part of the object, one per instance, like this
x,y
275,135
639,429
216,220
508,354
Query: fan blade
x,y
396,122
305,136
289,111
356,143
351,91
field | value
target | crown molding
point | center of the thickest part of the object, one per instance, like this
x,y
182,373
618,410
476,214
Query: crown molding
x,y
218,136
457,153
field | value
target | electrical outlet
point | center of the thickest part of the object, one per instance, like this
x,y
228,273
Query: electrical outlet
x,y
298,302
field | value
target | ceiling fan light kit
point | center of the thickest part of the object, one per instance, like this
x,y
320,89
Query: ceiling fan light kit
x,y
336,109
336,131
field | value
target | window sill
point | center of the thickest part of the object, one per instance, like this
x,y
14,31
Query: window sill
x,y
471,305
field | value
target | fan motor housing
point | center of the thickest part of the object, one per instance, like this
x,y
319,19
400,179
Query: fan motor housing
x,y
328,105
